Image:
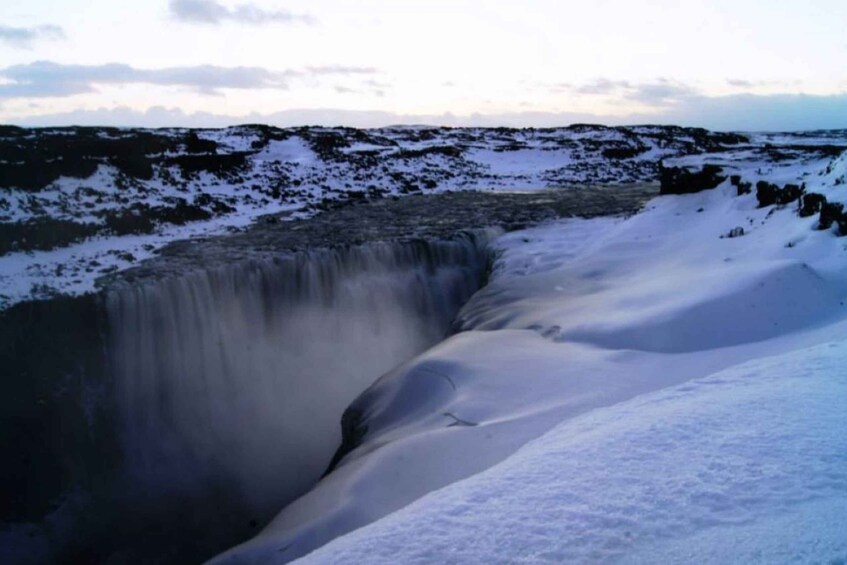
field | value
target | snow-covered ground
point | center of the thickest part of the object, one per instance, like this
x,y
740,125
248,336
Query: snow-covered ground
x,y
683,389
747,465
223,180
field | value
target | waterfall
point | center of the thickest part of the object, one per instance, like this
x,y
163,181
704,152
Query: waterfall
x,y
235,378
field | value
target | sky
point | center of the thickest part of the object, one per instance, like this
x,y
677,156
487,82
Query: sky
x,y
720,64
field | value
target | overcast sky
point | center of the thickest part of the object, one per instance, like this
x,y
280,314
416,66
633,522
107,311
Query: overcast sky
x,y
722,64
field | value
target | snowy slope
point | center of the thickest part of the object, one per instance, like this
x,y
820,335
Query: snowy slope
x,y
747,465
579,316
79,203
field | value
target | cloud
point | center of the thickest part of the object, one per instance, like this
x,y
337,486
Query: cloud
x,y
372,87
369,86
338,70
752,84
658,93
212,12
48,79
600,86
740,83
24,37
737,112
377,88
377,84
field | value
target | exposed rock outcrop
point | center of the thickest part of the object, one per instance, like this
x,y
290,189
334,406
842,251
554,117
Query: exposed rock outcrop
x,y
833,213
769,194
742,186
682,180
811,204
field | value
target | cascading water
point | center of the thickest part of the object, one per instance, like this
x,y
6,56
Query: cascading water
x,y
234,379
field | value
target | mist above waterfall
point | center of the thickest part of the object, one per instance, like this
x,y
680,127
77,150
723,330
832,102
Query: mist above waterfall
x,y
235,378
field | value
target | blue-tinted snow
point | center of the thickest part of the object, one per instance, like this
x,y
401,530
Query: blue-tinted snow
x,y
748,465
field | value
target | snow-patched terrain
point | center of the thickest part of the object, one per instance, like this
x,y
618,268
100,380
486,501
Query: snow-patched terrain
x,y
80,203
689,384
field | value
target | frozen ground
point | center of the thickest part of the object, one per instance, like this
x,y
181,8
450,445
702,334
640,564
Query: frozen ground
x,y
686,375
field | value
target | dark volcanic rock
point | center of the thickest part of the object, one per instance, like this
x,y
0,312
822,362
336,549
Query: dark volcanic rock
x,y
42,234
446,150
833,213
790,193
193,144
623,152
213,163
768,193
32,159
36,174
52,358
680,180
811,204
787,152
743,187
